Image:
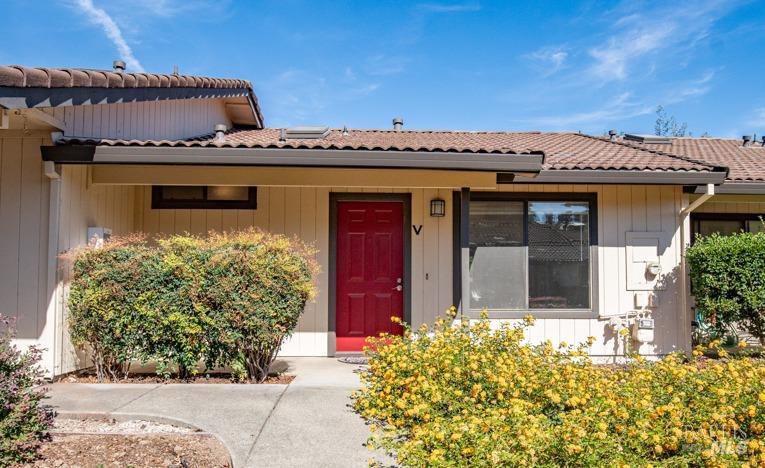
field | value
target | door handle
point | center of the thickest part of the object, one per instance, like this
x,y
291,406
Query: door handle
x,y
399,288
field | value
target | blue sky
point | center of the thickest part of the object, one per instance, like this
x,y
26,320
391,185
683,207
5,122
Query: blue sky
x,y
470,65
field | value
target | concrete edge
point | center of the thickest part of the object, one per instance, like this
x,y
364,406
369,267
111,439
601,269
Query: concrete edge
x,y
118,416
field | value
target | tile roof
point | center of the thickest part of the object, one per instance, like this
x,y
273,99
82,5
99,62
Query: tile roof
x,y
28,77
746,163
561,150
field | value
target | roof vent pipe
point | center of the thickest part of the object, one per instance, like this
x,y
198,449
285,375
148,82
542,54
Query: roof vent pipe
x,y
763,141
612,135
398,122
283,135
220,133
747,139
119,66
345,131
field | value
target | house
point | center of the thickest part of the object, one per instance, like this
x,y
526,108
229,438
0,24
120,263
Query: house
x,y
572,228
740,202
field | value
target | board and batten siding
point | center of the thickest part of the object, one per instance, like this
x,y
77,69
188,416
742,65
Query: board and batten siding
x,y
304,212
747,206
158,120
623,209
84,205
24,205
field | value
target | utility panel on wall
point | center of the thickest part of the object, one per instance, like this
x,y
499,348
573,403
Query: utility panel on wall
x,y
644,260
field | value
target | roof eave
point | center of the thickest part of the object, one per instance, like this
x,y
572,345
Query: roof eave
x,y
26,97
640,177
289,157
737,188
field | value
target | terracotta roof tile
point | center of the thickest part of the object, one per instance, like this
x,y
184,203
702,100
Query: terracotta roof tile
x,y
30,77
746,163
561,150
16,76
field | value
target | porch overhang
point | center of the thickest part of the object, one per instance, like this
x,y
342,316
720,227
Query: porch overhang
x,y
288,157
265,176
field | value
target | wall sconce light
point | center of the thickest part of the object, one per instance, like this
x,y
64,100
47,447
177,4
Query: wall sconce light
x,y
437,208
653,268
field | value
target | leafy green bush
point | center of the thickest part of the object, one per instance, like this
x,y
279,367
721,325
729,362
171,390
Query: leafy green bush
x,y
24,421
256,287
473,394
728,281
107,300
228,300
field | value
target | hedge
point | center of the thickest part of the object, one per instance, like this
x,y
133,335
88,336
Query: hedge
x,y
24,421
227,299
467,394
728,281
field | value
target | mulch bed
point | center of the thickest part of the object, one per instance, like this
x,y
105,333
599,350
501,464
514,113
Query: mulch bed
x,y
112,450
153,378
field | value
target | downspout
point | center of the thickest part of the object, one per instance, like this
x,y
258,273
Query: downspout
x,y
53,174
685,228
465,250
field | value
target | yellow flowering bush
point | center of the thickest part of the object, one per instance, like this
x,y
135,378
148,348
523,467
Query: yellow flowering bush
x,y
470,394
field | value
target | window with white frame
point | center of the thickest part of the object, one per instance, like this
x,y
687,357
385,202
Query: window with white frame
x,y
532,252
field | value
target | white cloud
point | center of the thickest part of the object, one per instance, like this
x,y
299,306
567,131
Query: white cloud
x,y
382,65
653,34
100,17
449,7
758,118
550,59
620,107
693,88
612,59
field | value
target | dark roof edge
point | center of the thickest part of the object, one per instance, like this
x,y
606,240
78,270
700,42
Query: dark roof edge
x,y
92,154
736,188
644,177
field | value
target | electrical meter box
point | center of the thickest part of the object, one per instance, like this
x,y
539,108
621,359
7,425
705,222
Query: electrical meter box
x,y
98,235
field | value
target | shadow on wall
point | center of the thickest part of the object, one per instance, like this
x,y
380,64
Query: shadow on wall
x,y
668,333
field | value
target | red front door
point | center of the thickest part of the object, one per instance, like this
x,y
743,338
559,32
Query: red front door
x,y
370,270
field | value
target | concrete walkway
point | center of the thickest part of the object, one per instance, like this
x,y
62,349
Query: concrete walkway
x,y
305,423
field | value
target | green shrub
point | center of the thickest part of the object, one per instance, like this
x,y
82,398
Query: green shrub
x,y
256,288
24,421
110,293
467,394
728,281
228,300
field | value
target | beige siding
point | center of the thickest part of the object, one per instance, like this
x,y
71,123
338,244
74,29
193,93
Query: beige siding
x,y
24,201
160,120
84,205
621,209
304,212
746,204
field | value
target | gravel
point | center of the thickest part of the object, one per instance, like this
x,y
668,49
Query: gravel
x,y
104,426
